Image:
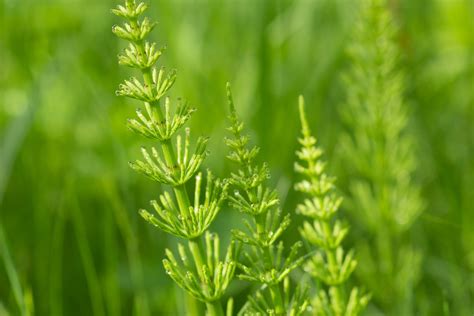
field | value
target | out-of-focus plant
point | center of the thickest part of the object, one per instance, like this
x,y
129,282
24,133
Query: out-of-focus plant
x,y
330,265
379,162
199,268
265,262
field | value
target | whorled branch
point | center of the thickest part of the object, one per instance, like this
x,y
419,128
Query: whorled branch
x,y
155,166
261,302
208,278
160,84
193,222
149,125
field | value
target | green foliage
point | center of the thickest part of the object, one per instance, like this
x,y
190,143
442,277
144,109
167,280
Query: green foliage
x,y
379,159
205,280
20,297
185,168
262,302
330,264
68,199
265,260
196,220
148,125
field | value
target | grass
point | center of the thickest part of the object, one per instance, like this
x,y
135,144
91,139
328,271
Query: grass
x,y
77,130
12,274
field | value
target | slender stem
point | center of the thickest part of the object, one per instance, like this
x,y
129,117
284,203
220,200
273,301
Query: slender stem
x,y
195,245
336,290
192,307
275,291
167,149
336,299
196,251
182,197
214,309
260,223
12,274
229,307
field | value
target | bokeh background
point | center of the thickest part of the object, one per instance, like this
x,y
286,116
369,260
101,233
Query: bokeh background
x,y
70,234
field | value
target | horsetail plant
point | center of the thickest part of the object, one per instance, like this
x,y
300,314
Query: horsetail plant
x,y
379,159
330,264
199,270
265,261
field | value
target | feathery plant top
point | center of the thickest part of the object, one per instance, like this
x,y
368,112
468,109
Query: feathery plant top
x,y
200,270
329,264
172,165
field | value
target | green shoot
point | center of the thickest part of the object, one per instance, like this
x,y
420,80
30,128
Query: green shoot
x,y
202,274
330,264
265,260
379,159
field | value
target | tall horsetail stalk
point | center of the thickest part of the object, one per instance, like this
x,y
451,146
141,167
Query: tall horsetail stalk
x,y
200,270
265,262
330,264
380,162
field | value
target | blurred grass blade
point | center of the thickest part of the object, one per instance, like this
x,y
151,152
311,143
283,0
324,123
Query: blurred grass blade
x,y
92,278
111,282
56,266
12,274
10,144
141,304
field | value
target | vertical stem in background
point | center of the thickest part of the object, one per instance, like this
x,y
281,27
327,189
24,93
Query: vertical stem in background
x,y
264,74
110,275
141,304
56,254
380,157
12,274
85,252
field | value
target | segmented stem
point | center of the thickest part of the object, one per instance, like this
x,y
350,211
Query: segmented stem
x,y
176,169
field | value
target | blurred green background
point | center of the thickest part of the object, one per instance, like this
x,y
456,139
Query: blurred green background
x,y
68,199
